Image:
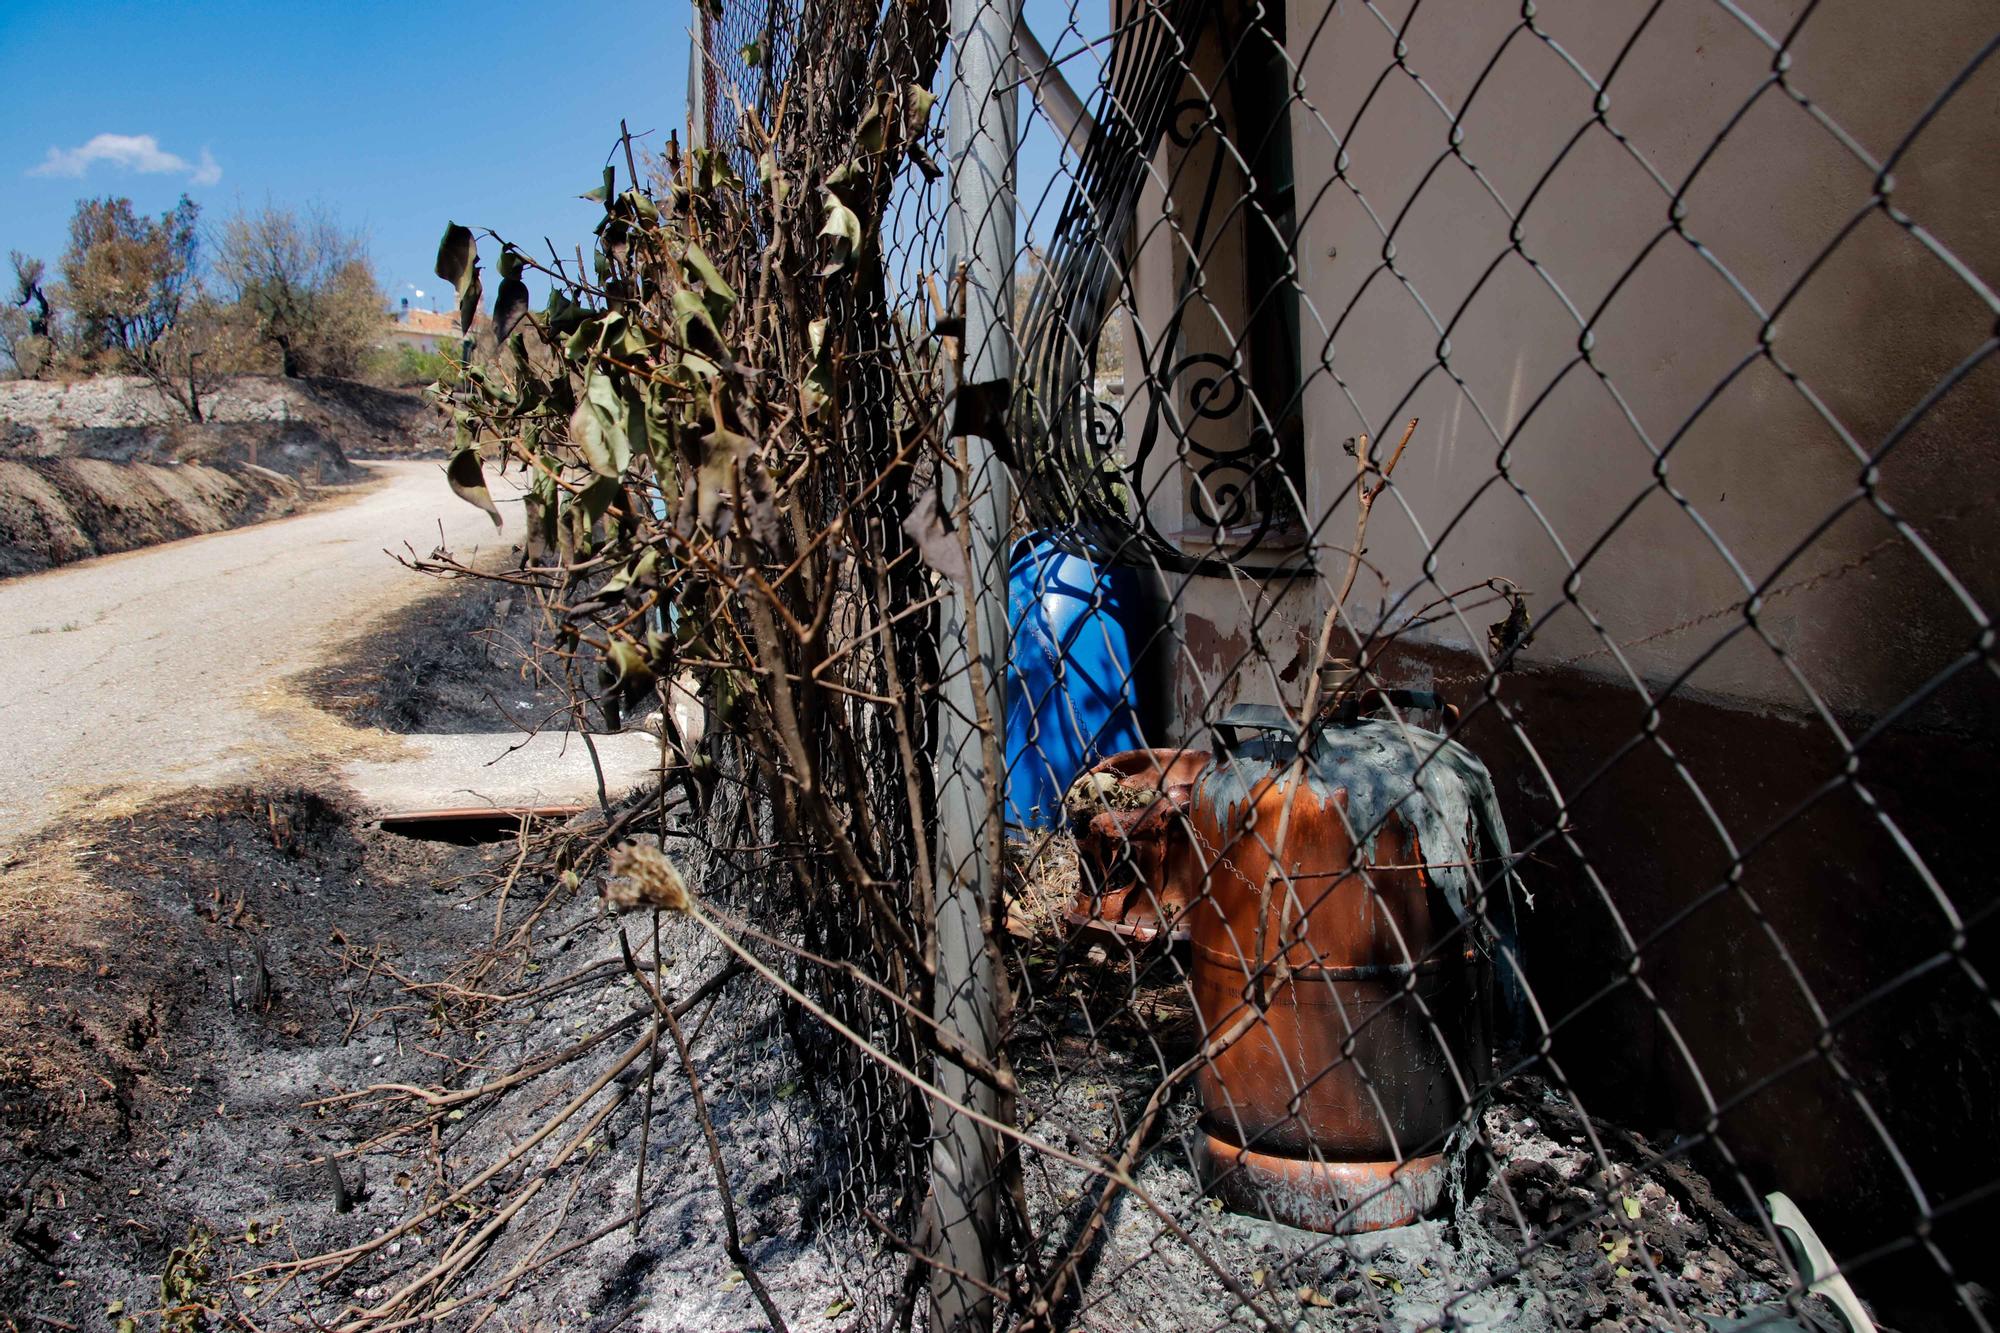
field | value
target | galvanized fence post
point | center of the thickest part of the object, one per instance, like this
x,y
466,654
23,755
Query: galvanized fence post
x,y
697,89
971,783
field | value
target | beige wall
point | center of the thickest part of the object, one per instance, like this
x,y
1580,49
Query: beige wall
x,y
1511,407
1757,468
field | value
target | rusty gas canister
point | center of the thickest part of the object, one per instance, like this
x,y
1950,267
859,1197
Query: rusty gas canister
x,y
1129,815
1338,963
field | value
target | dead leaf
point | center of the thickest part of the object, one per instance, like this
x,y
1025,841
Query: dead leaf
x,y
643,876
929,527
1504,638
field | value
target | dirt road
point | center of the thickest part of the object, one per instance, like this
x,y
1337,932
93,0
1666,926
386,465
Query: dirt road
x,y
167,667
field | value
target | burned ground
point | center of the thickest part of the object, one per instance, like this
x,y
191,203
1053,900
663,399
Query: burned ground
x,y
225,1003
57,510
177,983
465,660
289,1066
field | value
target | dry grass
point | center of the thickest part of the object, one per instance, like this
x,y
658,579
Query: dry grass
x,y
1044,878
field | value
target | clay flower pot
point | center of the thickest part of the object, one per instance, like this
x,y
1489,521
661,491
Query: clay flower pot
x,y
1129,817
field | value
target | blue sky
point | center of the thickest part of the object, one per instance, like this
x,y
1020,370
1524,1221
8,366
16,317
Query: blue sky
x,y
396,117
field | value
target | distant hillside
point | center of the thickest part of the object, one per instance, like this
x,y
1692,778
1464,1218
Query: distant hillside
x,y
107,465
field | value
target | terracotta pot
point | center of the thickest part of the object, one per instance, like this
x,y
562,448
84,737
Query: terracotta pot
x,y
1138,873
1329,1107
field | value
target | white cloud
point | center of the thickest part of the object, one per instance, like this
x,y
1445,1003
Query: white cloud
x,y
129,152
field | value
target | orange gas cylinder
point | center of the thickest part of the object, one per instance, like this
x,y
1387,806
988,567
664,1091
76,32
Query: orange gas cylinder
x,y
1339,964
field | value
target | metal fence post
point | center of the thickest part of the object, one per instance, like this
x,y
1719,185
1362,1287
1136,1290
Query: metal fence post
x,y
697,89
980,123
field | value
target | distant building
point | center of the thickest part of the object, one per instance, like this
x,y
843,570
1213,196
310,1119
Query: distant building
x,y
424,330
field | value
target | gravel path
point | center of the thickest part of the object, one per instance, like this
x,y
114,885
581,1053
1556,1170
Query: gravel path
x,y
168,667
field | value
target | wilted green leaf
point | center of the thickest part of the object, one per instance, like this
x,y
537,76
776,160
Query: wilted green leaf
x,y
698,368
510,307
721,296
843,226
628,661
633,203
839,1307
584,338
600,426
562,315
542,505
1631,1208
868,135
849,183
817,388
458,264
588,437
694,322
468,482
716,479
727,689
468,304
661,414
636,570
457,253
594,501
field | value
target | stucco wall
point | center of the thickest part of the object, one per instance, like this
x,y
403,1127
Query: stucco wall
x,y
1651,483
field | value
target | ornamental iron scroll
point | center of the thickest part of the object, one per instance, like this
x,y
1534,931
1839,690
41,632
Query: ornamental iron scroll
x,y
1076,477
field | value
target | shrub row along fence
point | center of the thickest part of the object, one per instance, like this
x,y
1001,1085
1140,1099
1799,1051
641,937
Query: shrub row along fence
x,y
1343,647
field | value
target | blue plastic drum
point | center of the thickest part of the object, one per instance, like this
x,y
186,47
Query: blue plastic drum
x,y
1071,696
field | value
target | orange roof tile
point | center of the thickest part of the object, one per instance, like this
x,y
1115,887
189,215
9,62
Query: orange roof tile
x,y
432,322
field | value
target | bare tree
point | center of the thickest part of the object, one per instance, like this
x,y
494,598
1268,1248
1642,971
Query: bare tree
x,y
27,325
190,357
306,285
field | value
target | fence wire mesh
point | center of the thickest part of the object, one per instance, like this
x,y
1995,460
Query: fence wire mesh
x,y
1583,396
1381,720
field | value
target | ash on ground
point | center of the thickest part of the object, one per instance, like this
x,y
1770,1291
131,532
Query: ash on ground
x,y
1552,1237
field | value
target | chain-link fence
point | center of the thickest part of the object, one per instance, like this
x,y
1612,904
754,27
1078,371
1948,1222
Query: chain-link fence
x,y
1324,666
1500,679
